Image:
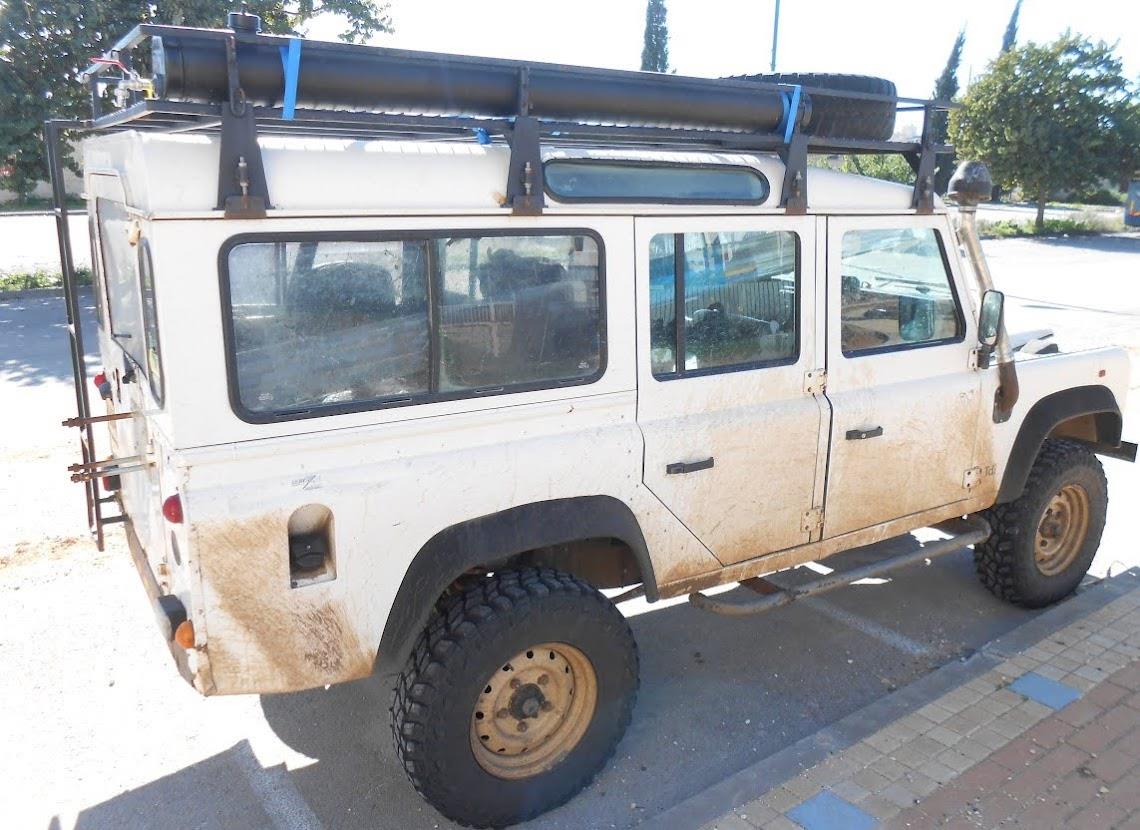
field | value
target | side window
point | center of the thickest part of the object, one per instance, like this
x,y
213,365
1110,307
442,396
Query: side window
x,y
153,364
896,291
737,294
98,286
128,273
361,324
518,310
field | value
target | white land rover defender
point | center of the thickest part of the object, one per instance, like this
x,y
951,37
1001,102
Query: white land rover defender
x,y
406,356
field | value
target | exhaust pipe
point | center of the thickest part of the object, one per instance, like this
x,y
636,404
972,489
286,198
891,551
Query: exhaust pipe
x,y
969,186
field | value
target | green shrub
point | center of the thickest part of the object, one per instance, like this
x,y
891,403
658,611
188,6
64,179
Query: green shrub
x,y
1083,224
25,280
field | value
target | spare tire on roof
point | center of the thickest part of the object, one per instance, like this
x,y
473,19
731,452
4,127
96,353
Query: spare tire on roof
x,y
833,117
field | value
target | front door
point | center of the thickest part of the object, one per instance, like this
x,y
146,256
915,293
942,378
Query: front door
x,y
905,402
725,338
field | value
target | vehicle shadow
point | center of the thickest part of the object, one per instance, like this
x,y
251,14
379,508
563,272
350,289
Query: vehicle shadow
x,y
33,338
717,696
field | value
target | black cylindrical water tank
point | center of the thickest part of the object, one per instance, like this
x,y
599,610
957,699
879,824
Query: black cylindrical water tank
x,y
386,80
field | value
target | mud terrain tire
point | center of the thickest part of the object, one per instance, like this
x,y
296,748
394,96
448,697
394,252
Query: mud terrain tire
x,y
468,644
842,117
1009,563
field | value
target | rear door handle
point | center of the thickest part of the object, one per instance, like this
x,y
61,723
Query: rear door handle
x,y
678,467
862,434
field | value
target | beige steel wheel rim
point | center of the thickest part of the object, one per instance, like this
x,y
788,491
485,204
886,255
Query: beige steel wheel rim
x,y
1062,530
533,711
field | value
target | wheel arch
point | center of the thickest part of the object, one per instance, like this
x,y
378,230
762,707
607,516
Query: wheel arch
x,y
570,534
1087,414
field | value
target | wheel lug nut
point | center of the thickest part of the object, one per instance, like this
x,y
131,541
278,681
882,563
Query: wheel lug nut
x,y
547,706
543,679
502,713
515,682
522,726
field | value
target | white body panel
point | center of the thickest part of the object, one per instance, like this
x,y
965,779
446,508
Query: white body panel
x,y
395,477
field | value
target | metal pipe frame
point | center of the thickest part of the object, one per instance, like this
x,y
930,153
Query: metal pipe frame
x,y
979,532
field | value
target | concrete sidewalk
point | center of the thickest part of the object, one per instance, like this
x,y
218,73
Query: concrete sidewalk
x,y
1043,730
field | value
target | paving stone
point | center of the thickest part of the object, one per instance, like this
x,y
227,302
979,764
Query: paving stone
x,y
828,811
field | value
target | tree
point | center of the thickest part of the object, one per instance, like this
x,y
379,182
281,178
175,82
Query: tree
x,y
655,53
45,45
1127,134
945,89
1044,117
1009,39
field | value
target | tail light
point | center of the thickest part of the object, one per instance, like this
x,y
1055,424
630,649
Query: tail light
x,y
172,509
102,384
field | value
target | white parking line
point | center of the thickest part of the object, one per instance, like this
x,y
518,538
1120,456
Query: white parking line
x,y
279,796
872,629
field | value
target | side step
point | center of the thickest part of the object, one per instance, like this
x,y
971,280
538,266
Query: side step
x,y
963,532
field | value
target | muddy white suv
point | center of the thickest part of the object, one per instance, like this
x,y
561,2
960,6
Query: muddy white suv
x,y
431,395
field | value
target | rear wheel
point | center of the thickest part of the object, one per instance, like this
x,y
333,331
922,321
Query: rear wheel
x,y
1044,542
515,696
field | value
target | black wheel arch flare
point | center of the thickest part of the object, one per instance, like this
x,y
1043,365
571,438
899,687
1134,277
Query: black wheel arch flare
x,y
494,538
1044,416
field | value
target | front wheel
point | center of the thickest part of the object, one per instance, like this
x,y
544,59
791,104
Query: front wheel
x,y
1044,541
515,696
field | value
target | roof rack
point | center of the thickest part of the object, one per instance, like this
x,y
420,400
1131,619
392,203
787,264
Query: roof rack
x,y
243,84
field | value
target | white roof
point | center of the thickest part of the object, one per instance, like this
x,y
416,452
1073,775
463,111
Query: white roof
x,y
177,174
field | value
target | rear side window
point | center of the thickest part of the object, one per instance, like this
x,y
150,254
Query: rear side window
x,y
896,292
737,295
325,325
128,273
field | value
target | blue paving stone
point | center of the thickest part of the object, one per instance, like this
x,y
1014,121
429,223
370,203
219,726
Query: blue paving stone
x,y
1051,693
827,811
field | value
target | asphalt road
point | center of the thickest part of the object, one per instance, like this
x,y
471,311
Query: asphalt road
x,y
102,733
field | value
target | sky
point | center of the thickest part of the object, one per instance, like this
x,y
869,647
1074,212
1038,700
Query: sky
x,y
906,41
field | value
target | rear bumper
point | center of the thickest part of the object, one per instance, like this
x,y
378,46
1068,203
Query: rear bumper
x,y
169,612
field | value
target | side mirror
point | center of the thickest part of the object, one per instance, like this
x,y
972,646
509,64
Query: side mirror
x,y
989,320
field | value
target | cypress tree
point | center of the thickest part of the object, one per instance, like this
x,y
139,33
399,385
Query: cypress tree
x,y
655,53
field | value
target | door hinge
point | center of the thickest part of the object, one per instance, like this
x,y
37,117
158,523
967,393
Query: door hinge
x,y
973,362
815,382
812,521
970,479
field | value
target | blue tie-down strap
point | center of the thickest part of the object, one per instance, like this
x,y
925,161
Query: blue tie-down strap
x,y
791,111
482,136
291,63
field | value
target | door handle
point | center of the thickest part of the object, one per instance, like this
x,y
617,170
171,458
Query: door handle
x,y
862,434
678,467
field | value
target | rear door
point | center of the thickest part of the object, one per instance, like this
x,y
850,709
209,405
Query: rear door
x,y
732,439
133,358
904,398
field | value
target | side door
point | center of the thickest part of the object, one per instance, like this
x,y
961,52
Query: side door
x,y
905,401
725,337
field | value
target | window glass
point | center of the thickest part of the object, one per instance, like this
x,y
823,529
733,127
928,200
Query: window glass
x,y
518,310
896,291
120,270
329,322
97,284
617,181
739,300
342,323
153,364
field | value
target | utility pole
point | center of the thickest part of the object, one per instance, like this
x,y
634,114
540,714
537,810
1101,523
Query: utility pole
x,y
775,34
